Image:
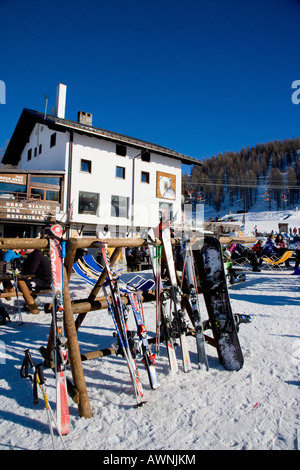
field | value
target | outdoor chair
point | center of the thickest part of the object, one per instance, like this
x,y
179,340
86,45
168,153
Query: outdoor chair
x,y
273,262
241,264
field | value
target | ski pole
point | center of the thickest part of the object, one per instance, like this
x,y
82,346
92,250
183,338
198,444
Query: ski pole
x,y
158,295
39,379
39,374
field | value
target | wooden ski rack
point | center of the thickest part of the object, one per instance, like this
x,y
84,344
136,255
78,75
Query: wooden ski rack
x,y
77,389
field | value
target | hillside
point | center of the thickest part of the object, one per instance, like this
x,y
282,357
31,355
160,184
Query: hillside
x,y
262,178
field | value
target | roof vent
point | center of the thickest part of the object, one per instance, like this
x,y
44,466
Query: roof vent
x,y
61,91
85,118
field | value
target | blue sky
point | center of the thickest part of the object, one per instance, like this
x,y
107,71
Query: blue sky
x,y
197,76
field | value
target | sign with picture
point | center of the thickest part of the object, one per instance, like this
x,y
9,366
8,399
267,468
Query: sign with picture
x,y
165,185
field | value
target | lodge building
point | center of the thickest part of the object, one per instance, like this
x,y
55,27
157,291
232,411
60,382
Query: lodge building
x,y
92,181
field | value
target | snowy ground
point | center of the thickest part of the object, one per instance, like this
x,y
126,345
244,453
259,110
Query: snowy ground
x,y
268,221
255,408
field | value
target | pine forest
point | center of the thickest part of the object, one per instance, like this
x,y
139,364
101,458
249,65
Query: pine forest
x,y
267,175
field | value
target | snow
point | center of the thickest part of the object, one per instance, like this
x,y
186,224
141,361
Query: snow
x,y
267,221
254,408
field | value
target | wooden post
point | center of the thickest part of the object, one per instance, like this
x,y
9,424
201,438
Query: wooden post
x,y
98,285
70,256
28,297
84,407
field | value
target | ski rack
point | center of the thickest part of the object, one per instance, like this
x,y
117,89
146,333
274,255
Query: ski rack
x,y
77,389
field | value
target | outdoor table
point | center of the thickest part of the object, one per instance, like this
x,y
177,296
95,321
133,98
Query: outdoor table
x,y
9,291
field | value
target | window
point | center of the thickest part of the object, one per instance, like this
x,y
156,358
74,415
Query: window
x,y
40,148
119,206
145,157
165,211
12,188
46,180
53,140
38,192
121,150
29,154
45,195
52,196
86,166
47,188
145,177
88,203
35,151
120,172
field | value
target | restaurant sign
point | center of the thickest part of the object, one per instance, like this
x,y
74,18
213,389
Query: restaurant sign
x,y
27,211
13,178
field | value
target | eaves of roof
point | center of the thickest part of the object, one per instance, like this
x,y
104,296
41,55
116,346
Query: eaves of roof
x,y
29,118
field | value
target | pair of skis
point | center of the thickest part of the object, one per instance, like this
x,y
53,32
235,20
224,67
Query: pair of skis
x,y
174,325
148,356
60,352
164,319
117,310
190,274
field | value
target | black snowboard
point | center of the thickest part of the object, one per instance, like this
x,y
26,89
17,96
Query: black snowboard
x,y
212,278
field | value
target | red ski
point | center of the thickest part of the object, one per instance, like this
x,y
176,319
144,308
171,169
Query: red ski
x,y
60,352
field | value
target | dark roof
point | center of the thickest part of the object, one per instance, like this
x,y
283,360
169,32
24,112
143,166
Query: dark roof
x,y
29,118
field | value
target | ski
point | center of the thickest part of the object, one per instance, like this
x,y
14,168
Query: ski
x,y
60,352
175,295
155,257
210,266
148,356
116,309
163,317
189,271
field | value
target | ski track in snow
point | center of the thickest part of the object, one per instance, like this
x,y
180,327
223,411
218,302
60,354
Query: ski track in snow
x,y
255,408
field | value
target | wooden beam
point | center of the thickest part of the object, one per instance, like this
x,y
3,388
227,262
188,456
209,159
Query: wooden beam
x,y
84,407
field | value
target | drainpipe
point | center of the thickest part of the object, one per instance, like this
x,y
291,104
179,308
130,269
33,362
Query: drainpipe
x,y
132,194
69,185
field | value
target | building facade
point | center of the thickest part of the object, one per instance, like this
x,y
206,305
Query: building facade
x,y
107,184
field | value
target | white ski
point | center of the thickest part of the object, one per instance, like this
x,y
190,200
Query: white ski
x,y
179,317
163,318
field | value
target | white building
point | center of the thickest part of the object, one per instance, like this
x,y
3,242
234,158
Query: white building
x,y
113,185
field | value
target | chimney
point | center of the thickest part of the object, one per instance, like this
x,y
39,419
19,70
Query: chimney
x,y
84,118
61,91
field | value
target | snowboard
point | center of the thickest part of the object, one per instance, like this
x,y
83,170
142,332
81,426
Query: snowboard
x,y
212,278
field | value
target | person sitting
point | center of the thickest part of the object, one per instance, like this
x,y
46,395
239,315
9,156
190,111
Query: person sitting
x,y
269,248
39,266
275,248
10,255
133,258
280,245
257,248
241,253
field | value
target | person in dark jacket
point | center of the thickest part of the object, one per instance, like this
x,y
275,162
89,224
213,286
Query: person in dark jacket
x,y
39,266
240,253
